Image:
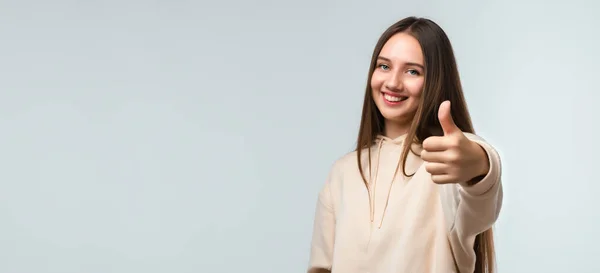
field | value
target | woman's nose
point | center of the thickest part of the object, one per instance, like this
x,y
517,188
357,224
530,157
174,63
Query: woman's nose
x,y
393,83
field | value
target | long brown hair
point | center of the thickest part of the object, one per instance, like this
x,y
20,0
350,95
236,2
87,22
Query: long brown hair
x,y
442,82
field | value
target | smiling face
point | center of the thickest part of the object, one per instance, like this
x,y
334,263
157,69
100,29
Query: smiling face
x,y
397,82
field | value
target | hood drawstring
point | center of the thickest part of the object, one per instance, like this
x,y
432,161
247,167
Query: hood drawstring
x,y
380,140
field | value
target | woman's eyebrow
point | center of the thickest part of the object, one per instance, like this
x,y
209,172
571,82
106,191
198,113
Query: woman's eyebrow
x,y
407,63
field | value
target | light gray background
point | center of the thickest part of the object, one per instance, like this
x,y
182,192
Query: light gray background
x,y
193,136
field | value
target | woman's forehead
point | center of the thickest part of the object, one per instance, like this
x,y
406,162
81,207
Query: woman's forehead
x,y
402,47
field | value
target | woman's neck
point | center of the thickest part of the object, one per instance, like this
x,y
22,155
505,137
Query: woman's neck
x,y
394,129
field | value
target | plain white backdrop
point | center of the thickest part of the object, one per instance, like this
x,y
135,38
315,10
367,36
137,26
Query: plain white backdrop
x,y
193,136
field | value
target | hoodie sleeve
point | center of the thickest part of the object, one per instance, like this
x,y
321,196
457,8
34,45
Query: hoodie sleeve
x,y
321,250
475,208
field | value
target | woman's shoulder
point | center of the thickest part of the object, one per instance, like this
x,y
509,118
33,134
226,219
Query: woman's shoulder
x,y
346,165
345,161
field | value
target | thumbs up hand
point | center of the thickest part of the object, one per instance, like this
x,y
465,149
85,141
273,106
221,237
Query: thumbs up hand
x,y
453,158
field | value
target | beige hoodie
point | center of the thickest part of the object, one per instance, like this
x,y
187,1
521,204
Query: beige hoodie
x,y
409,226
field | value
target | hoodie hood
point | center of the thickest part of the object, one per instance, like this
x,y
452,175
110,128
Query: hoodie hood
x,y
398,140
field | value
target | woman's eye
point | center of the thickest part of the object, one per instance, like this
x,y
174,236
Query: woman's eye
x,y
384,67
413,72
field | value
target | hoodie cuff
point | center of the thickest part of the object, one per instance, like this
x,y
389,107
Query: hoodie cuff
x,y
493,175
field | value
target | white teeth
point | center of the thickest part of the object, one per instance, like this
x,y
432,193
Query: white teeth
x,y
392,98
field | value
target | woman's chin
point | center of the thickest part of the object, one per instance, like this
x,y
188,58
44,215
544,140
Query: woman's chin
x,y
400,116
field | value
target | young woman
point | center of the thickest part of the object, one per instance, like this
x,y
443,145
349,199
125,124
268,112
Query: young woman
x,y
421,191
